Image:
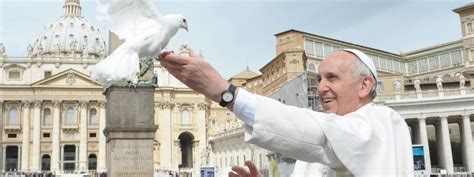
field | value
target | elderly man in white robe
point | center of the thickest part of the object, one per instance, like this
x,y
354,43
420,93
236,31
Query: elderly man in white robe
x,y
352,136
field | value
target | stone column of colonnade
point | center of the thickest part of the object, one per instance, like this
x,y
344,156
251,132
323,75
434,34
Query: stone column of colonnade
x,y
56,150
25,150
444,145
466,142
420,136
101,166
202,151
83,136
166,141
2,151
35,157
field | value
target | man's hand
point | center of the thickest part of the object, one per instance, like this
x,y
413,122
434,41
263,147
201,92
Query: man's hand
x,y
239,171
196,73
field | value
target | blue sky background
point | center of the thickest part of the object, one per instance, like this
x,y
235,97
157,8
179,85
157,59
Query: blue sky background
x,y
234,34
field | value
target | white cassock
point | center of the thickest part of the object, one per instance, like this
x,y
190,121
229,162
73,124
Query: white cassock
x,y
372,141
306,169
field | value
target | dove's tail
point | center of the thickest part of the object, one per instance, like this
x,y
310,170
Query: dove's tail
x,y
118,68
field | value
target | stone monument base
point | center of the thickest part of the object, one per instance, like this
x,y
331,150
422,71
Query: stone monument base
x,y
130,132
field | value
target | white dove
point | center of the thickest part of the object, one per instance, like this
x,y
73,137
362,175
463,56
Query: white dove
x,y
145,31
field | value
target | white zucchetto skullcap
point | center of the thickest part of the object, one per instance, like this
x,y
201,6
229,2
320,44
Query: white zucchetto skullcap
x,y
365,59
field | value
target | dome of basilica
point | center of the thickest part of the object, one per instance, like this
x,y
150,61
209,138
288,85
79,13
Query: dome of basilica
x,y
71,36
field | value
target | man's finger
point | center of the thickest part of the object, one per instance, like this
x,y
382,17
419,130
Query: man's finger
x,y
173,59
233,174
253,169
164,54
241,171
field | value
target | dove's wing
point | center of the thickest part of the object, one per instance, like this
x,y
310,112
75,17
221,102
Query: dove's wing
x,y
129,17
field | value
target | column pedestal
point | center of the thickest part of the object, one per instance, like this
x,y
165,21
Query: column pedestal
x,y
130,131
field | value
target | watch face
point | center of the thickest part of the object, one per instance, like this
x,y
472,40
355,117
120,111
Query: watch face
x,y
227,96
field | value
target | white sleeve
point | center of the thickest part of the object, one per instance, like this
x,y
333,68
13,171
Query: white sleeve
x,y
244,107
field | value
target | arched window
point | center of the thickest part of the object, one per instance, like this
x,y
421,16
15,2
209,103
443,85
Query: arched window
x,y
46,163
92,162
46,116
13,117
70,116
185,117
92,116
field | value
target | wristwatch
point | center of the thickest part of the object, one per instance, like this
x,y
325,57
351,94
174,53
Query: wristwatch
x,y
227,96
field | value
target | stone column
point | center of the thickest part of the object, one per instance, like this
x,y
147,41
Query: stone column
x,y
444,145
35,157
466,143
130,131
102,141
20,159
2,156
83,137
25,154
424,141
166,140
61,158
56,137
202,149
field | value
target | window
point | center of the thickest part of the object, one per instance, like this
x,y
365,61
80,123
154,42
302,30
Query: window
x,y
434,62
294,65
92,135
379,87
12,135
13,117
318,49
456,57
376,60
309,47
47,74
46,135
423,65
92,117
14,75
70,116
46,163
469,27
185,117
327,50
413,67
383,64
389,65
47,117
92,162
444,60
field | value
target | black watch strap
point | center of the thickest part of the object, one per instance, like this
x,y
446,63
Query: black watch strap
x,y
231,90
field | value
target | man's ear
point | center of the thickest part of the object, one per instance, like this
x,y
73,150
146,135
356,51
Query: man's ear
x,y
366,86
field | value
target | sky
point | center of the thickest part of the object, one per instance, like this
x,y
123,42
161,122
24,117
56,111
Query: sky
x,y
235,34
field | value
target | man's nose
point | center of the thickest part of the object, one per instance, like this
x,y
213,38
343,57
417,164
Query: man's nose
x,y
322,86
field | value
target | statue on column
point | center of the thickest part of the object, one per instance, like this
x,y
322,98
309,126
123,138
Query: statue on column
x,y
439,83
397,85
2,50
462,81
29,49
39,49
417,85
85,52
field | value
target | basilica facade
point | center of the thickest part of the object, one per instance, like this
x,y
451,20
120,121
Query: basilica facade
x,y
53,114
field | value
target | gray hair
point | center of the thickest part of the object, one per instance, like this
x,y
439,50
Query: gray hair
x,y
360,69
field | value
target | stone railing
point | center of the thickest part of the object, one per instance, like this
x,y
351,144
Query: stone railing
x,y
227,130
459,92
12,127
